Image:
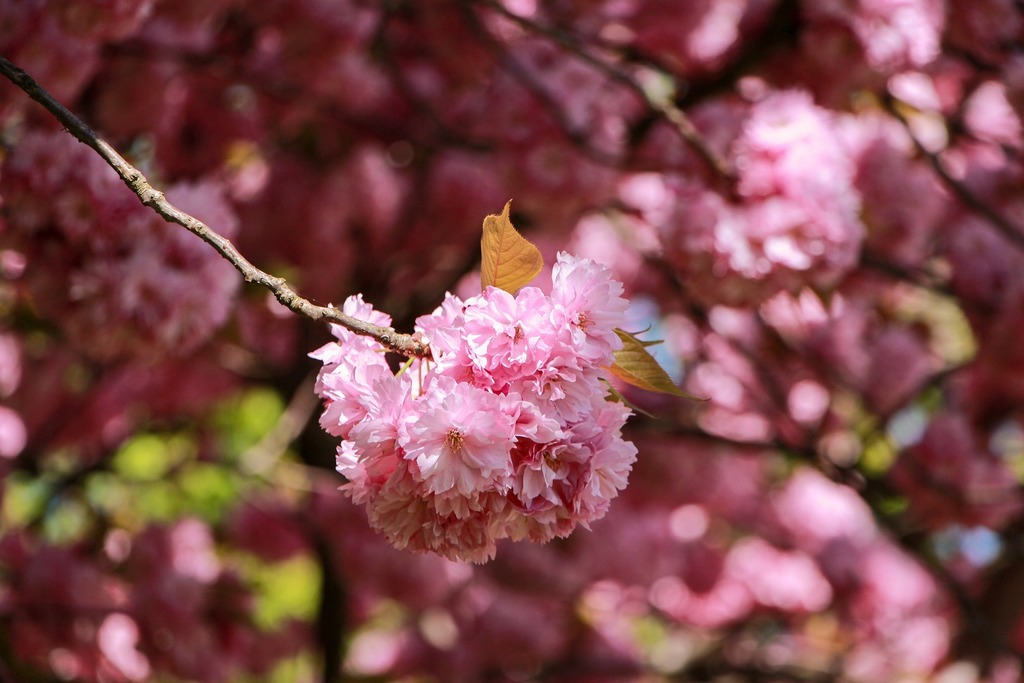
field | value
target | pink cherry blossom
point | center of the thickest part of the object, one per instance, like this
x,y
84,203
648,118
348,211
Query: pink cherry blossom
x,y
592,304
463,528
459,437
119,280
504,431
893,34
986,28
794,583
508,339
795,220
694,37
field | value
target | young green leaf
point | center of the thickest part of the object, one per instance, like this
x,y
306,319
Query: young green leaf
x,y
634,365
507,259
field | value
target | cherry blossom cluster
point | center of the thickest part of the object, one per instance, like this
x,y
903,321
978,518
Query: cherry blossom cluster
x,y
797,219
504,431
119,280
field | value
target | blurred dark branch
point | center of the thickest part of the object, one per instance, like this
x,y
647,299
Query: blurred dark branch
x,y
5,672
276,90
154,199
781,33
664,107
718,669
569,44
14,671
548,100
970,201
384,50
979,626
918,276
330,617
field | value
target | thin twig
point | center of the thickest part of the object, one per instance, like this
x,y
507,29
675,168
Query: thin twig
x,y
518,70
402,343
381,45
970,200
259,458
663,106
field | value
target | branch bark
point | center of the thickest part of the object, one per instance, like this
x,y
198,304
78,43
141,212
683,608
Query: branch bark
x,y
664,107
395,341
966,197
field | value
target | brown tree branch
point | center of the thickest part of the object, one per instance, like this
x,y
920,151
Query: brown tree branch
x,y
518,70
664,107
402,343
967,198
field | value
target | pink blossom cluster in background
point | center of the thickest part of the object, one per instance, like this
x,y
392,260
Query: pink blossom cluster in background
x,y
794,220
161,600
121,281
504,431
